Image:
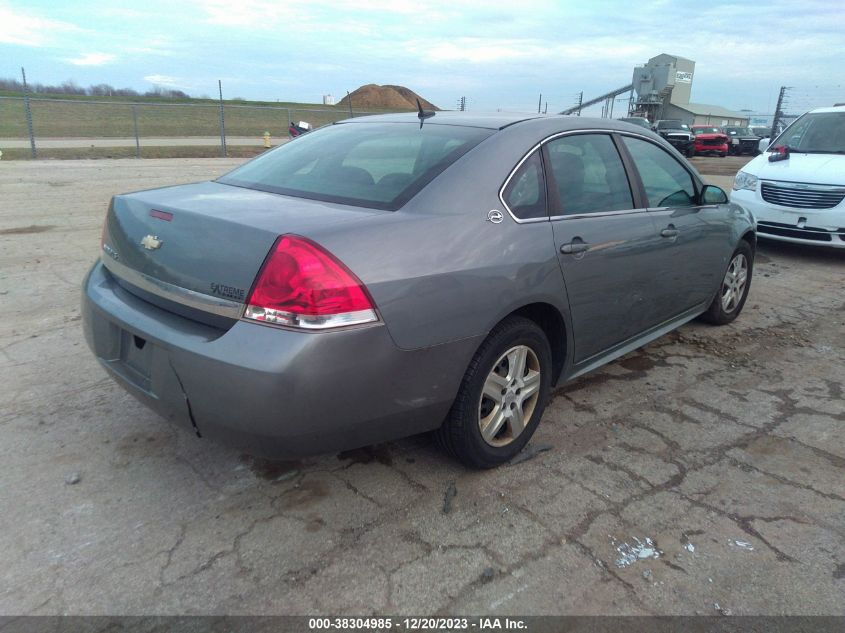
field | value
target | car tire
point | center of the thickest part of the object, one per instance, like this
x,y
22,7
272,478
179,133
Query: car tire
x,y
722,154
461,433
722,311
690,152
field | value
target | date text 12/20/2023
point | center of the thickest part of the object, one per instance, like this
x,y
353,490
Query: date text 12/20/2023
x,y
417,624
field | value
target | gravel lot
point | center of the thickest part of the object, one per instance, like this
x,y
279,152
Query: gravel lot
x,y
724,446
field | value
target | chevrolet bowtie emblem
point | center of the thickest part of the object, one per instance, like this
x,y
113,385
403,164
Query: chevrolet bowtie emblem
x,y
151,242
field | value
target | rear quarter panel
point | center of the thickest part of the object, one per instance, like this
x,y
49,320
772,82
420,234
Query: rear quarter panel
x,y
437,269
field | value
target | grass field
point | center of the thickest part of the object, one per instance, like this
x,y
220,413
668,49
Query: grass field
x,y
201,151
81,118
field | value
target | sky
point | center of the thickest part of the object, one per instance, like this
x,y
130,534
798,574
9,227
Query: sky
x,y
499,55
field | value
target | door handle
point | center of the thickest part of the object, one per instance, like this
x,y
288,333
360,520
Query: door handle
x,y
670,231
574,247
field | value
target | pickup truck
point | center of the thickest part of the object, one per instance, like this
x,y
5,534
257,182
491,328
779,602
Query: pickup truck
x,y
678,134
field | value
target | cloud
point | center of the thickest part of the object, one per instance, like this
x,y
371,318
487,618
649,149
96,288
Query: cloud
x,y
164,80
29,30
91,59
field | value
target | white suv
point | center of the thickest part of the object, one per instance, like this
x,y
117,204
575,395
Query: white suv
x,y
796,188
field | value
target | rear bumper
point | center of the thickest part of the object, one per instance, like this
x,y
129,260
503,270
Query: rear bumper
x,y
818,227
269,391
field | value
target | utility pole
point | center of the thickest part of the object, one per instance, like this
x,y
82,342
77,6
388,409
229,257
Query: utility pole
x,y
349,101
580,101
546,109
28,112
462,104
222,120
540,103
778,113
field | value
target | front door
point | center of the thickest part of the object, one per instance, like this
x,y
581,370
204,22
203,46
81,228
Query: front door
x,y
605,242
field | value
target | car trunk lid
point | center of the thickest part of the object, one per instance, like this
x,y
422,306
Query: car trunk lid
x,y
196,249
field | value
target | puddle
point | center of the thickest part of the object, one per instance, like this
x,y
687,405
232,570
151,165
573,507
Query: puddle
x,y
368,454
638,363
272,470
309,492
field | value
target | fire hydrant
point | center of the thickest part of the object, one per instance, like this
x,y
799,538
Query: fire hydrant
x,y
266,139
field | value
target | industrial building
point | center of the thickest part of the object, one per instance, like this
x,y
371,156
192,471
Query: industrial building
x,y
663,87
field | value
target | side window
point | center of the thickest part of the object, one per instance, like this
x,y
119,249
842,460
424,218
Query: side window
x,y
666,182
525,194
588,174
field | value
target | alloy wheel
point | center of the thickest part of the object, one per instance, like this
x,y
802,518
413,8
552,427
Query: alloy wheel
x,y
509,396
733,286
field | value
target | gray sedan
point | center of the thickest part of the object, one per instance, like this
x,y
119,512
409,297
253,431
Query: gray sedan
x,y
391,275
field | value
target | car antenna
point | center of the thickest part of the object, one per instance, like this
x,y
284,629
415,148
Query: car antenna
x,y
423,114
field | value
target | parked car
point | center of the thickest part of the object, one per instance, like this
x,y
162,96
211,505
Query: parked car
x,y
710,140
796,189
637,120
678,134
760,131
385,276
742,141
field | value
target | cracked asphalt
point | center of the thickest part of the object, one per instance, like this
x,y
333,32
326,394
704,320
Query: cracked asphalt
x,y
724,446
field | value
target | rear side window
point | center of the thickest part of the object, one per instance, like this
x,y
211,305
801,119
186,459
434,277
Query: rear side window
x,y
377,165
525,194
588,174
666,182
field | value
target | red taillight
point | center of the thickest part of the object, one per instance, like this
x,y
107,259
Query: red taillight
x,y
303,285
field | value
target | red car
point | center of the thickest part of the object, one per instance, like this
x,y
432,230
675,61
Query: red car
x,y
709,138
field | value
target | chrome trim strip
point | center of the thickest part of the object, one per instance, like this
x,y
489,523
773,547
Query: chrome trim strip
x,y
598,214
546,140
805,186
171,292
267,316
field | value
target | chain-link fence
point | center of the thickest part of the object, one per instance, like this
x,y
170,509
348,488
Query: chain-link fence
x,y
84,128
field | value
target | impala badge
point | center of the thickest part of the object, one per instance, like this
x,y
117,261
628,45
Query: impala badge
x,y
151,242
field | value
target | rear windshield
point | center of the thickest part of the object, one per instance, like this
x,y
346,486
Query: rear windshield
x,y
378,165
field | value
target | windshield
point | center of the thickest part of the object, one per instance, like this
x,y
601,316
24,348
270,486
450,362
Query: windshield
x,y
738,131
706,130
377,165
815,133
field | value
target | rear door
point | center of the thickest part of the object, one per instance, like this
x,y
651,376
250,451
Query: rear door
x,y
694,238
605,241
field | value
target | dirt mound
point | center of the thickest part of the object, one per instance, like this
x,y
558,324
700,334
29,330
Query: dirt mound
x,y
388,97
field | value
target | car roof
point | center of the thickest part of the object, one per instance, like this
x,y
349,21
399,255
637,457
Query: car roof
x,y
491,120
501,120
831,109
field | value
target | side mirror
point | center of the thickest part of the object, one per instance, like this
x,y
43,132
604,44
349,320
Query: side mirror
x,y
763,145
711,194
